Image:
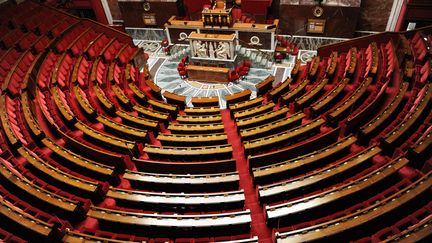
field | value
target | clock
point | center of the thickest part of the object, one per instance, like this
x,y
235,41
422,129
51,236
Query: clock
x,y
318,11
146,6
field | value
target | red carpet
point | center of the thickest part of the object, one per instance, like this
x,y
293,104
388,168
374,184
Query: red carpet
x,y
259,226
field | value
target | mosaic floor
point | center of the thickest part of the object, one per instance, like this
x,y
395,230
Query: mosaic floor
x,y
165,75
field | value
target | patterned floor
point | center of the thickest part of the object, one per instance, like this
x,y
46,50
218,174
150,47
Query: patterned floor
x,y
165,75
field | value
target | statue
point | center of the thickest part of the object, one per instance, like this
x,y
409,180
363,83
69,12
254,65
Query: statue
x,y
200,49
222,51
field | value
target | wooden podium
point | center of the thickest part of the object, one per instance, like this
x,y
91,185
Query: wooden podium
x,y
207,74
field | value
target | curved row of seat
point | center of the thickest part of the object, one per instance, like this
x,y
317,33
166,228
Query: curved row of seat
x,y
89,150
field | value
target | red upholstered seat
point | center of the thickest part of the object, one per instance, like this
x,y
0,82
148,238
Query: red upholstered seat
x,y
236,14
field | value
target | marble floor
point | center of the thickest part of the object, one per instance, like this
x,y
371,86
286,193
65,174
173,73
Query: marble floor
x,y
165,75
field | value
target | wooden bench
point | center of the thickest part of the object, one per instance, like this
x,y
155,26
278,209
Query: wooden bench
x,y
205,101
185,167
175,99
192,201
83,101
238,97
205,128
371,128
120,95
184,182
189,153
327,100
238,221
138,93
246,104
361,117
156,90
86,166
349,103
103,100
122,130
309,96
254,111
62,105
68,206
272,127
314,66
321,177
331,68
164,107
200,119
265,85
35,228
28,116
401,131
308,146
192,140
137,121
199,111
297,91
261,119
151,114
77,184
361,217
78,145
282,88
272,172
280,212
108,141
283,138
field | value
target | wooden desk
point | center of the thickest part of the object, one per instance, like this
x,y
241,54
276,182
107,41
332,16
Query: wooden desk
x,y
91,168
272,127
49,198
192,140
258,120
137,121
85,187
206,128
254,111
151,114
265,85
28,116
359,218
205,101
295,92
214,182
37,228
202,110
281,211
175,99
246,104
213,201
328,99
156,90
200,119
322,177
275,171
189,153
350,103
293,135
207,74
185,167
122,130
172,222
371,128
238,97
107,140
308,97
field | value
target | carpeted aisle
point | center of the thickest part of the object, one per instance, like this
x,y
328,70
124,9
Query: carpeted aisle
x,y
259,226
